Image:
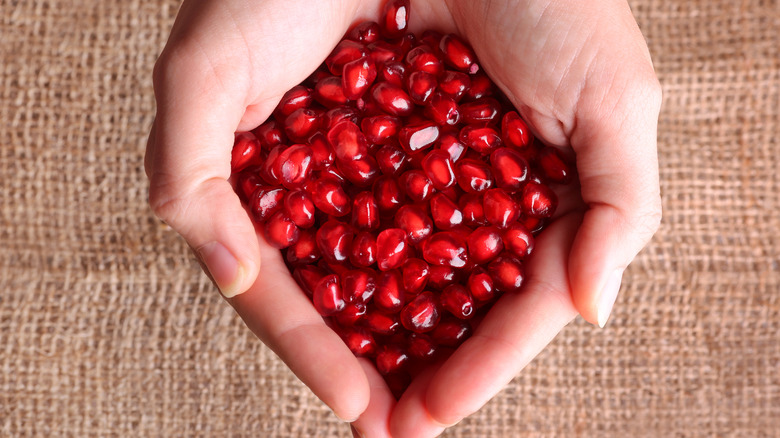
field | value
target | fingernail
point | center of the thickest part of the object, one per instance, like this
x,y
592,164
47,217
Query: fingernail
x,y
608,296
356,433
225,270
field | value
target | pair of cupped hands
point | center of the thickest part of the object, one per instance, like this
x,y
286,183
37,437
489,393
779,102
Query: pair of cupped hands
x,y
578,71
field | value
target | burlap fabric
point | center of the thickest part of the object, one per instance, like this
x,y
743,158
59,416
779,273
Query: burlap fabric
x,y
108,327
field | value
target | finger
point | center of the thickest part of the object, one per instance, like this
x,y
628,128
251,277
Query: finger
x,y
374,422
411,416
282,316
517,328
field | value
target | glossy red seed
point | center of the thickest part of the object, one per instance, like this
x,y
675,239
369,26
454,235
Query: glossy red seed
x,y
322,153
481,111
445,249
442,276
267,171
365,211
246,185
347,141
421,347
473,210
481,139
510,169
334,240
329,197
308,277
395,18
358,76
451,332
296,98
392,72
458,54
392,249
359,341
381,323
363,253
554,166
392,99
380,129
391,159
362,172
446,214
344,52
420,85
480,284
514,131
366,32
352,314
417,185
328,297
518,240
294,165
438,169
388,194
299,208
415,273
473,175
442,110
265,202
338,114
481,86
391,359
246,151
421,314
507,273
383,52
450,143
418,136
457,300
389,296
484,244
538,200
358,285
329,92
280,231
269,134
303,251
406,42
415,223
423,58
500,208
454,84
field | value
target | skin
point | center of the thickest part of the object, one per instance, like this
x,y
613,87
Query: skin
x,y
578,71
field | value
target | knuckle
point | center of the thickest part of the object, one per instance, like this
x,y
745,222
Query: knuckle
x,y
647,220
168,201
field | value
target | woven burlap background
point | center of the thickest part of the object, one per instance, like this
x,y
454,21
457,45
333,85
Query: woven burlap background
x,y
108,327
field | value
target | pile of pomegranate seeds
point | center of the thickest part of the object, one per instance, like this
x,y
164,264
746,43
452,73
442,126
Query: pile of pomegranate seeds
x,y
403,190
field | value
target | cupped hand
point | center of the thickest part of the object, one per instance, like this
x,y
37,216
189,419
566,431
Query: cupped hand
x,y
580,73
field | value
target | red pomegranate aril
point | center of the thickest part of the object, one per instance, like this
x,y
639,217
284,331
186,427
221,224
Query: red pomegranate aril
x,y
299,208
554,166
423,58
328,297
454,84
391,359
538,200
363,249
438,169
388,195
298,97
280,231
518,240
481,139
344,52
416,137
391,159
392,72
420,85
246,151
348,141
352,314
358,76
359,341
246,185
329,197
358,285
305,250
415,223
381,323
500,208
338,114
449,143
457,300
451,332
507,273
392,99
383,52
329,92
458,54
293,166
481,86
395,18
362,172
473,210
442,110
265,202
307,277
515,131
480,284
473,175
481,111
484,244
334,240
267,171
417,185
406,42
510,169
322,153
380,129
392,249
442,276
366,32
421,314
446,214
421,347
365,211
415,273
269,134
389,296
445,249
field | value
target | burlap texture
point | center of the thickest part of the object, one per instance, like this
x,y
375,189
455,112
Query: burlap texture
x,y
108,327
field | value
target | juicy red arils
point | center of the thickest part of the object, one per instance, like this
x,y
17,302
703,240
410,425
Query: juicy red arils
x,y
329,92
294,165
365,211
388,195
391,359
381,323
418,136
420,85
438,169
554,166
451,332
421,347
458,54
457,300
480,284
298,97
518,240
482,139
246,151
281,231
500,208
414,222
510,169
484,244
423,58
265,202
348,141
391,159
380,129
538,200
507,273
473,175
329,197
357,77
515,131
392,99
365,32
445,249
442,276
421,314
391,248
363,249
415,274
269,134
328,297
352,314
395,18
334,240
322,153
359,341
358,285
442,110
446,214
305,250
417,185
485,110
389,295
346,51
308,277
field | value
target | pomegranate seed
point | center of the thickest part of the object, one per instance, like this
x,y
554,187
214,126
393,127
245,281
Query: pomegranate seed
x,y
414,222
334,240
365,211
352,314
458,54
359,341
442,276
338,114
358,285
344,52
381,323
417,185
380,129
538,200
443,110
363,249
348,141
423,58
445,249
454,84
247,184
481,139
510,169
329,92
481,86
554,166
457,300
484,244
480,284
392,99
362,172
358,76
322,153
451,332
446,214
299,207
391,248
481,111
507,273
269,135
473,175
438,168
421,347
514,131
518,240
267,171
389,295
388,194
449,143
308,277
420,85
393,72
280,231
499,207
303,251
415,274
366,32
298,97
383,52
328,297
391,359
473,210
391,160
329,197
293,166
395,18
246,151
406,42
421,314
265,202
418,136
